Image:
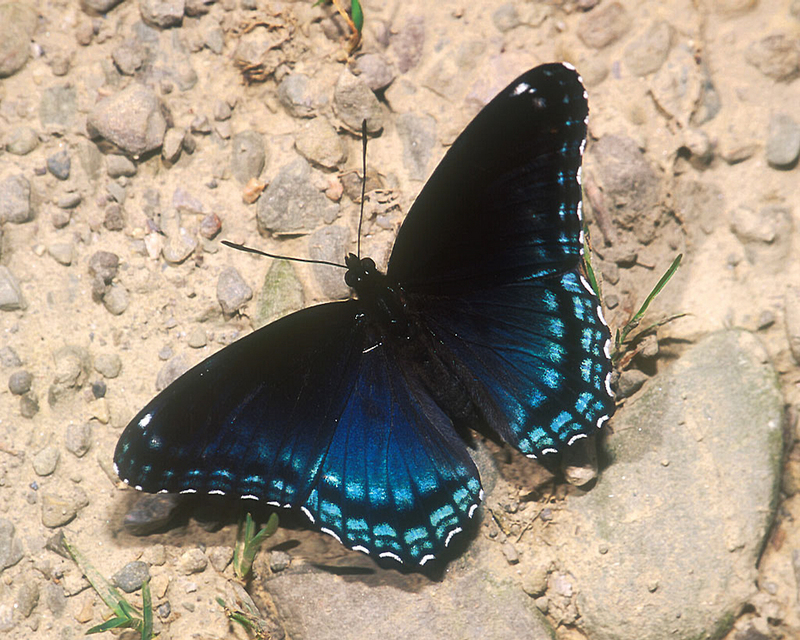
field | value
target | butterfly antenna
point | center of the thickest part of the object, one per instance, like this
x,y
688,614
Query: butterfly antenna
x,y
363,181
258,252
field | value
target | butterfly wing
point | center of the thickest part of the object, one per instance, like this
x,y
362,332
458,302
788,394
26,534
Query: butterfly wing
x,y
310,412
489,255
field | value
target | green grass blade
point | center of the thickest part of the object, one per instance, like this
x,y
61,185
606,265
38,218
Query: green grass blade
x,y
147,611
587,263
357,14
634,322
248,543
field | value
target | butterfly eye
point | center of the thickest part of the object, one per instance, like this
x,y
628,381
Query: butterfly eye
x,y
350,279
368,264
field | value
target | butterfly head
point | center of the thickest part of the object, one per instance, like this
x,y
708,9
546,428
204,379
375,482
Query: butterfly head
x,y
360,272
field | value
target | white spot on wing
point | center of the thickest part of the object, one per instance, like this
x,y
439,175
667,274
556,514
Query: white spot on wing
x,y
586,284
481,495
451,534
216,492
607,349
608,385
145,420
471,511
600,316
389,554
426,558
308,514
522,87
189,491
549,450
576,437
331,533
138,487
252,497
116,470
531,455
568,66
601,421
163,491
358,547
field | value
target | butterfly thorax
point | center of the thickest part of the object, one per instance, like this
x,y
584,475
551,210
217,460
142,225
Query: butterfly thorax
x,y
380,299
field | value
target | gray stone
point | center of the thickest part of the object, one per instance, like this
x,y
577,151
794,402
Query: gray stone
x,y
281,294
222,111
22,141
173,142
766,235
11,297
46,460
69,201
59,164
506,17
408,42
132,576
116,299
71,367
9,358
670,535
10,546
17,25
131,119
108,365
58,511
791,314
27,597
29,405
114,218
197,338
20,382
58,106
15,200
630,381
248,155
78,439
171,371
604,25
232,291
296,94
220,557
783,141
354,102
678,86
117,166
647,53
318,142
291,204
192,561
331,244
375,70
98,7
162,13
418,134
128,57
388,605
775,55
55,598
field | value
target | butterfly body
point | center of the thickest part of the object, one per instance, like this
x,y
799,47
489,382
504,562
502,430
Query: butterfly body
x,y
351,411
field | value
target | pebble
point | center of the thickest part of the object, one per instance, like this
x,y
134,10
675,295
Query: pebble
x,y
55,598
9,358
210,226
506,17
11,297
629,382
22,141
116,191
60,218
108,365
330,243
98,7
222,111
197,338
775,56
318,142
374,69
27,597
179,246
131,119
117,165
604,25
15,200
647,53
214,39
71,365
69,201
279,561
185,202
132,576
232,291
128,57
280,294
296,94
192,561
29,405
220,557
783,141
58,511
20,382
765,235
62,252
116,299
104,265
46,460
10,546
150,513
173,142
201,125
171,371
78,439
18,22
162,13
354,102
248,155
84,33
99,389
291,205
408,42
114,217
418,134
792,320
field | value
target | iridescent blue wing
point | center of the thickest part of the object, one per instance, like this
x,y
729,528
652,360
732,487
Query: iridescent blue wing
x,y
490,255
310,412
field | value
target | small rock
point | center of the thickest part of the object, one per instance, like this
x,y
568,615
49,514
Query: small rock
x,y
232,291
98,7
22,141
78,439
29,405
117,166
319,143
280,294
630,381
55,598
171,371
220,557
162,13
62,252
179,246
114,219
374,69
11,297
783,141
18,22
132,576
15,200
248,155
197,338
9,358
222,111
116,191
57,511
210,226
69,201
173,142
192,561
132,119
116,299
506,18
408,42
510,553
84,33
27,597
279,561
46,460
295,93
71,366
214,39
58,106
355,102
99,389
150,513
20,382
200,124
776,56
792,320
108,365
418,133
646,54
128,57
10,546
604,25
330,243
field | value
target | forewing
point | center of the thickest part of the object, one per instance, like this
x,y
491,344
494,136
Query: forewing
x,y
504,203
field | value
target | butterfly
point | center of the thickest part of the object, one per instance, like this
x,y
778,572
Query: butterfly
x,y
353,412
